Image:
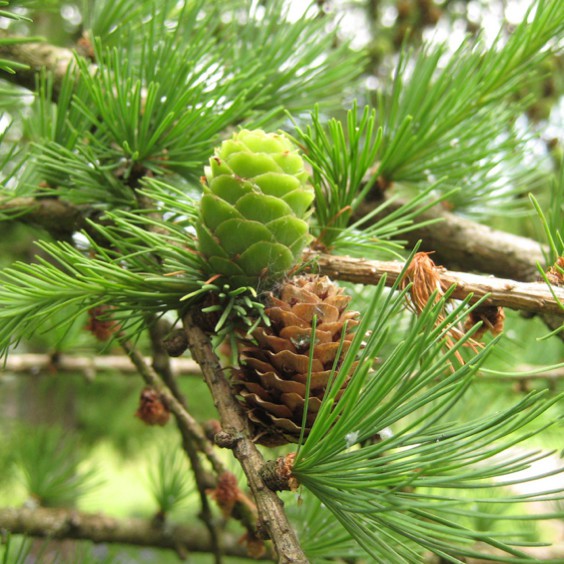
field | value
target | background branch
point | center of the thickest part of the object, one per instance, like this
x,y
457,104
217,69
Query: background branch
x,y
55,216
36,56
192,436
36,364
70,524
461,243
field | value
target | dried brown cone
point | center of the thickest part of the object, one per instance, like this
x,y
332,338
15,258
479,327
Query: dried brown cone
x,y
100,324
423,274
227,495
152,410
271,380
555,273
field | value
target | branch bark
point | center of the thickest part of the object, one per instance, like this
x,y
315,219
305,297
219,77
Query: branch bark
x,y
55,216
525,296
235,424
463,244
37,56
70,524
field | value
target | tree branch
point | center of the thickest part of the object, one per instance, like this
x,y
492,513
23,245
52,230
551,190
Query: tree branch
x,y
235,425
53,215
525,296
36,56
463,244
161,364
70,524
184,420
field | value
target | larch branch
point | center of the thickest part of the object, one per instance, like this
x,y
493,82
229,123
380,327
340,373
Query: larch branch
x,y
534,297
54,215
459,243
463,244
36,56
272,516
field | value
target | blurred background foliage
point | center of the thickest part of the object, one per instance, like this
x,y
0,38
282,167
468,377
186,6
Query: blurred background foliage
x,y
74,440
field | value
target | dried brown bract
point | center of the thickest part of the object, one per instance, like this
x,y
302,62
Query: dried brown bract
x,y
277,474
492,318
555,273
426,286
256,547
424,276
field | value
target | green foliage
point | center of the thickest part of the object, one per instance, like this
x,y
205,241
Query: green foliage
x,y
552,225
108,18
11,161
160,96
266,46
554,232
6,65
454,117
161,268
382,439
168,479
51,466
15,551
407,460
341,161
321,535
233,307
343,158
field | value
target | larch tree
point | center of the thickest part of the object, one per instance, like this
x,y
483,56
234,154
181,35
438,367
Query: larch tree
x,y
328,242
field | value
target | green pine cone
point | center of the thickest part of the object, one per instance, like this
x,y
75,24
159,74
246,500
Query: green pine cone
x,y
254,209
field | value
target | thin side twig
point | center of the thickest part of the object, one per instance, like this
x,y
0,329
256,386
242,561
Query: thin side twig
x,y
272,516
190,429
184,420
161,365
